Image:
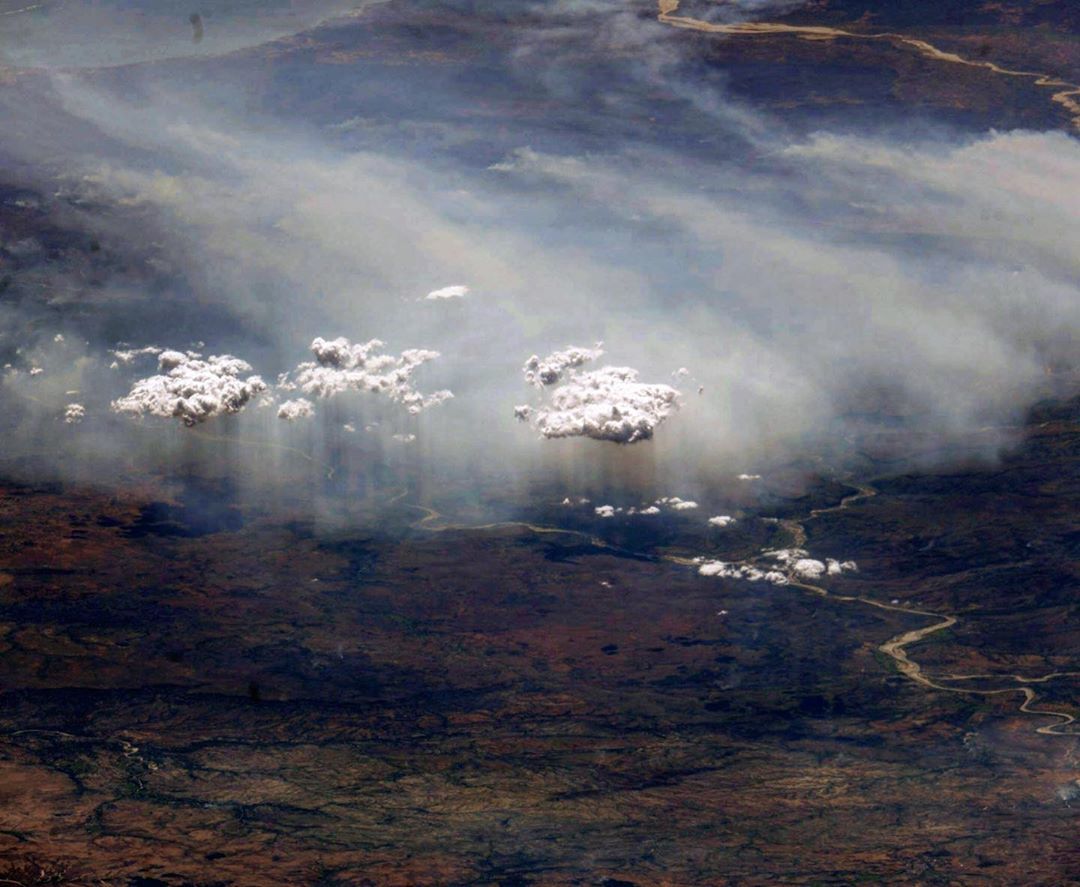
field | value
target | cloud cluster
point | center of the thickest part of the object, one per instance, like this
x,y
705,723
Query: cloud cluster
x,y
542,371
799,563
605,404
341,366
721,520
191,388
672,502
677,504
727,570
74,413
788,565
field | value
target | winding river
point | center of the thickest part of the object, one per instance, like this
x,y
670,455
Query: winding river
x,y
1065,94
895,647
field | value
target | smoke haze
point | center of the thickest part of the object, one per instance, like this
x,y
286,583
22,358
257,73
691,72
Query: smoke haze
x,y
818,285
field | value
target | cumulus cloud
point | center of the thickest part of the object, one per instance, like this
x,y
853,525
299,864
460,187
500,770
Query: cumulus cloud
x,y
834,567
456,291
671,502
748,572
192,389
800,565
606,404
721,520
541,371
787,565
74,413
299,408
341,366
675,503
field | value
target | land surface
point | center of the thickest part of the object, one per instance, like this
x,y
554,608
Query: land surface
x,y
968,61
201,684
204,693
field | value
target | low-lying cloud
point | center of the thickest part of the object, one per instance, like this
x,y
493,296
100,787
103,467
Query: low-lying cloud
x,y
341,366
191,388
607,404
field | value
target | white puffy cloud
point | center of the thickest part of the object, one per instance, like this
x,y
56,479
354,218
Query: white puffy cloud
x,y
721,520
802,566
790,564
456,291
300,408
541,371
808,568
673,502
726,570
605,404
192,389
340,366
676,504
74,413
835,567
